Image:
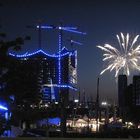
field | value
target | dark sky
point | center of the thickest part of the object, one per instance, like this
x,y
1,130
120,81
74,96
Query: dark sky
x,y
101,19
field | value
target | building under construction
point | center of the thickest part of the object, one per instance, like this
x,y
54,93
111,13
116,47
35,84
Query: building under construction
x,y
44,73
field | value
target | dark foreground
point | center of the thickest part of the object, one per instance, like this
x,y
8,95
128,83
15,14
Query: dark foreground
x,y
59,138
41,134
128,133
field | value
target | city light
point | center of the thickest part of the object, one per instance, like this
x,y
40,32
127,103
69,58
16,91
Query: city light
x,y
104,103
79,124
46,105
76,100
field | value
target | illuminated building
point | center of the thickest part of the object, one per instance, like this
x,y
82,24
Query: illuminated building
x,y
45,70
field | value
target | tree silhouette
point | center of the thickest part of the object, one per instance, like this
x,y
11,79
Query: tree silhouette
x,y
6,64
5,61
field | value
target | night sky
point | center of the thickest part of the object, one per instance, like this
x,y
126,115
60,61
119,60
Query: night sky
x,y
101,19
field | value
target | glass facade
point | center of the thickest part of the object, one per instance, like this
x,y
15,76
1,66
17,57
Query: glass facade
x,y
43,70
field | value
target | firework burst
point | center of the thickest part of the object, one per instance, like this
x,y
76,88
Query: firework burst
x,y
124,59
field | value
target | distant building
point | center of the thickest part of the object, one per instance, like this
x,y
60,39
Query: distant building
x,y
129,99
129,96
50,77
122,85
136,90
132,101
129,104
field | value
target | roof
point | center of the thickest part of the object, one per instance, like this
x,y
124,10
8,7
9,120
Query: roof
x,y
64,52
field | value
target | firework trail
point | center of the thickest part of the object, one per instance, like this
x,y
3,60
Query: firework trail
x,y
126,58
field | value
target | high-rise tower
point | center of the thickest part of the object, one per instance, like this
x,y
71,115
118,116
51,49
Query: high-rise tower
x,y
122,85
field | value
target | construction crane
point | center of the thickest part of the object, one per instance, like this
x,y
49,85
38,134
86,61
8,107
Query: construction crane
x,y
72,42
60,30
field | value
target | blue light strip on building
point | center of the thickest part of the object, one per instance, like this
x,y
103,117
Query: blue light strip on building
x,y
74,31
70,28
62,86
75,42
66,86
59,59
3,108
40,51
44,27
55,27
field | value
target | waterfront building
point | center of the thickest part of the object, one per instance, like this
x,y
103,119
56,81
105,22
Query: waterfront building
x,y
50,80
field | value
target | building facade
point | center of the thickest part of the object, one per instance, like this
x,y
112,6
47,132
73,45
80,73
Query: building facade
x,y
122,85
136,90
51,75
